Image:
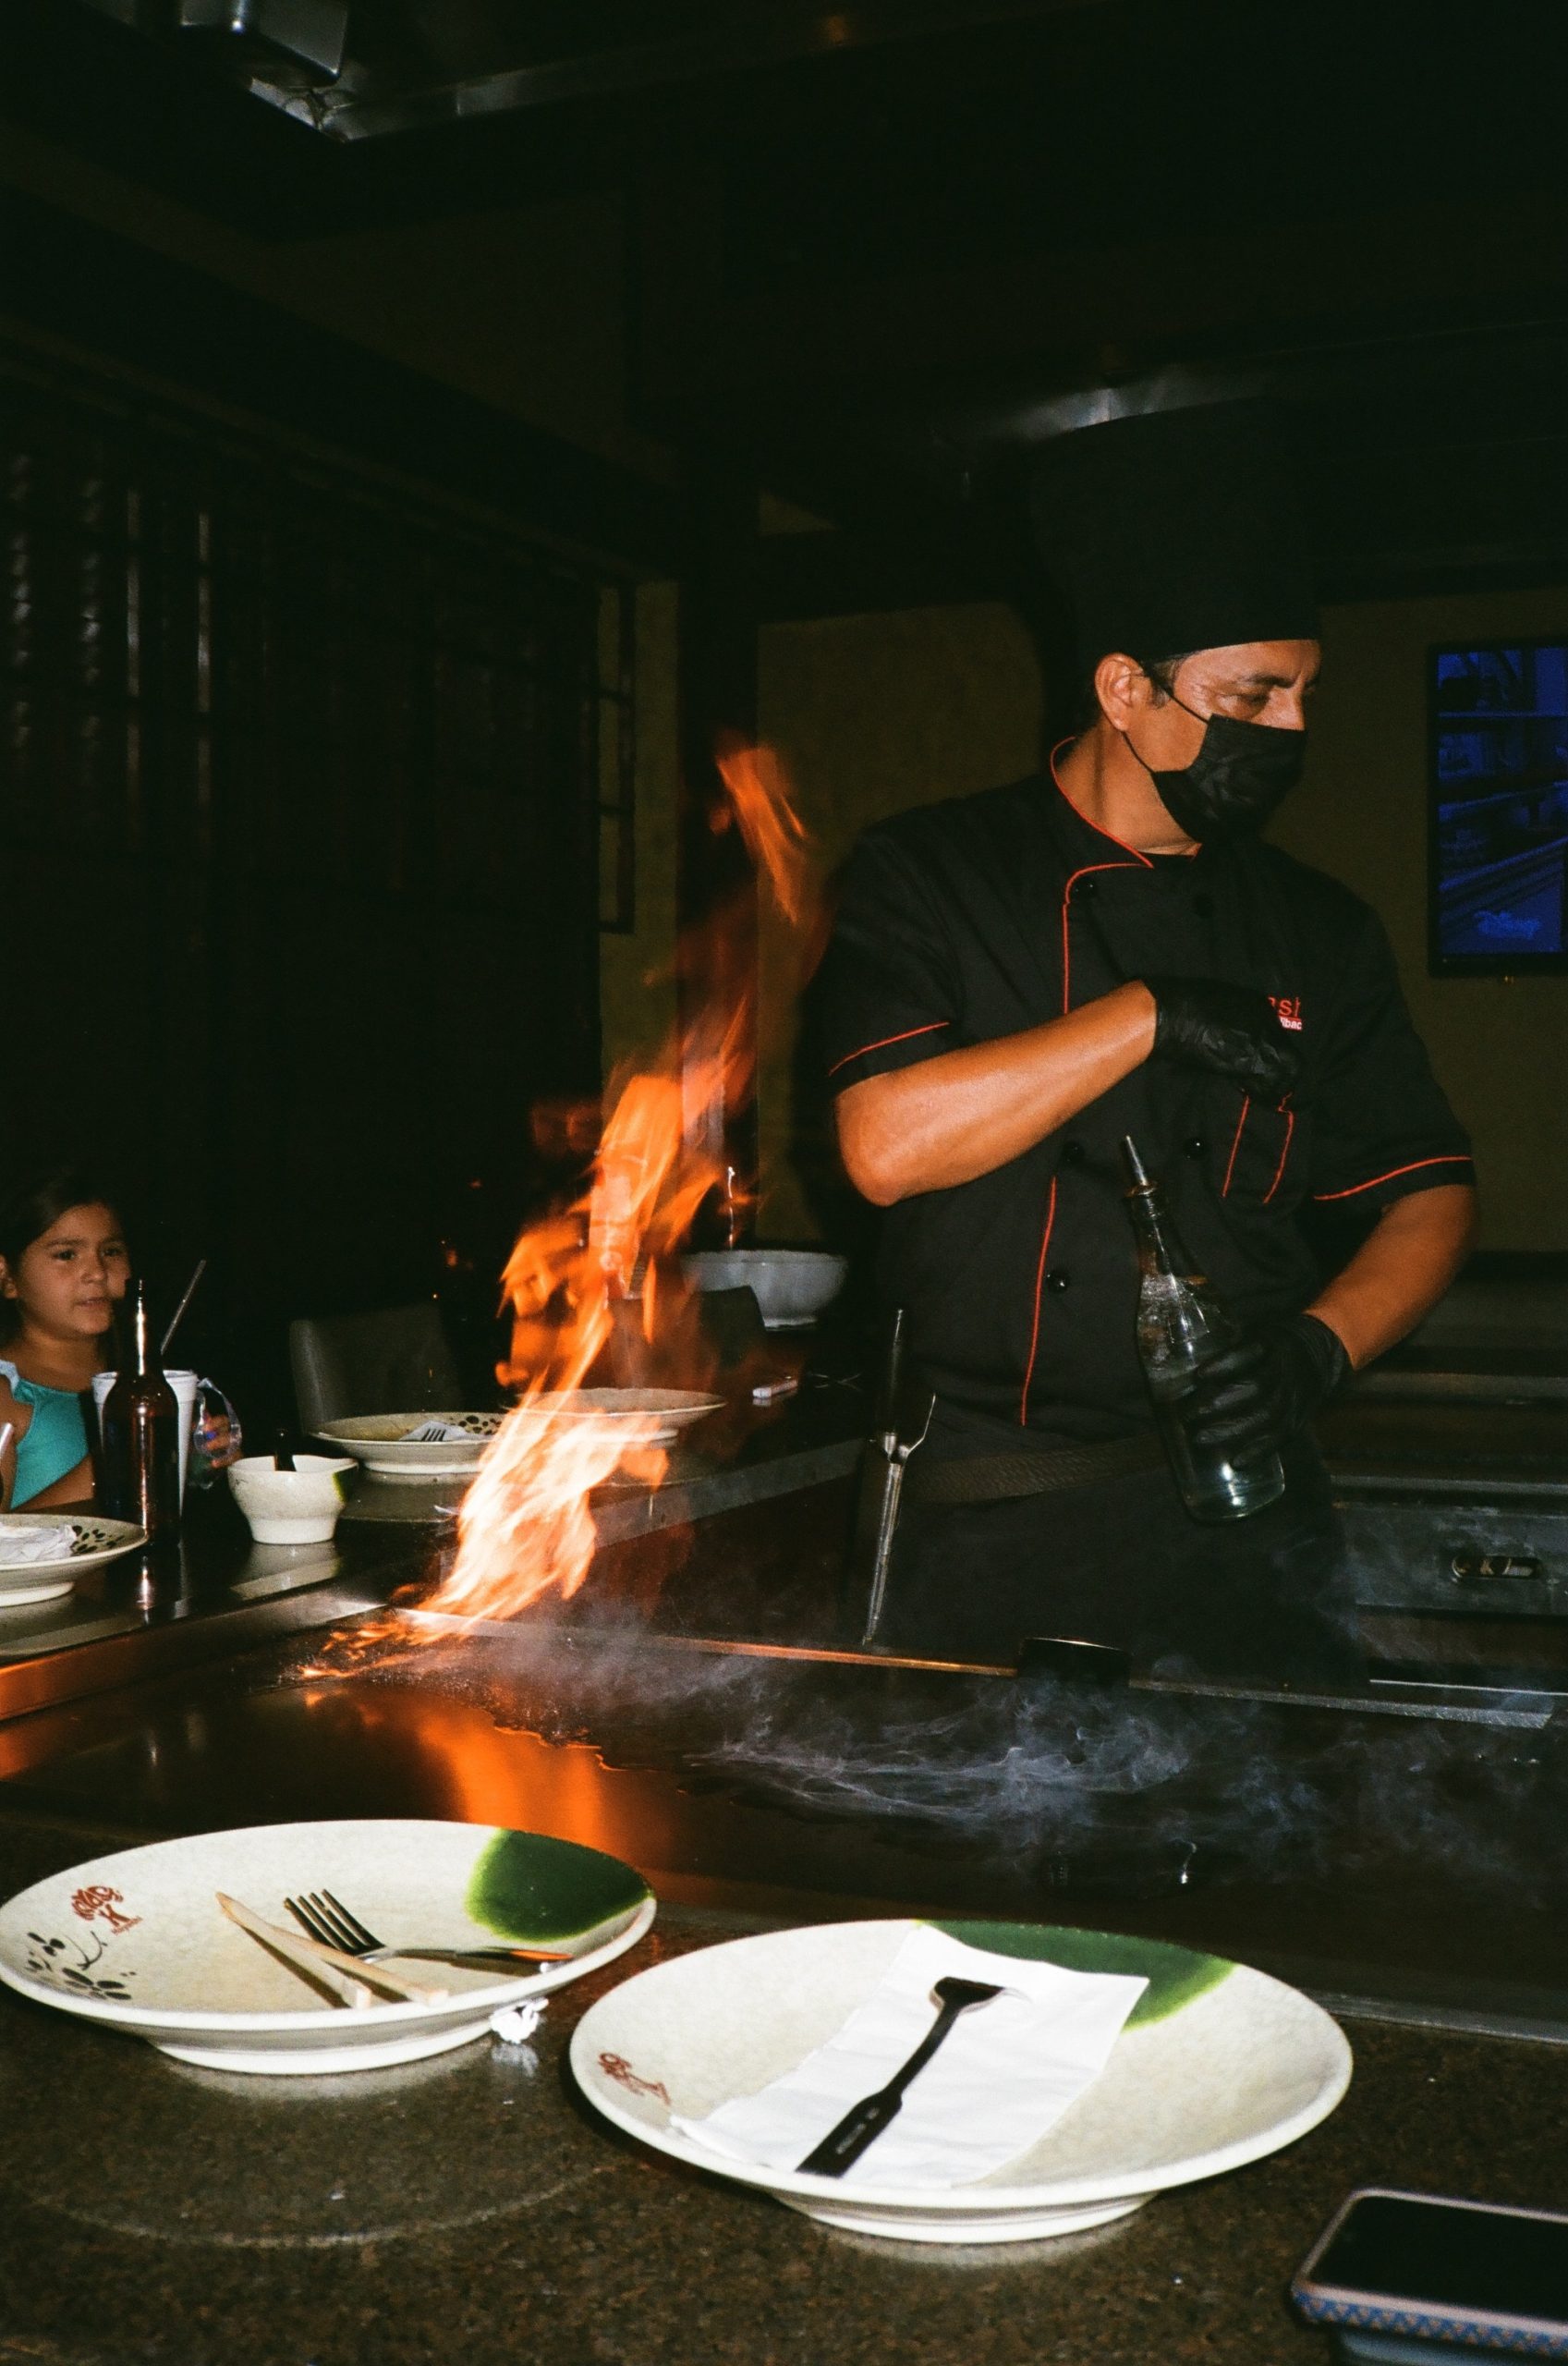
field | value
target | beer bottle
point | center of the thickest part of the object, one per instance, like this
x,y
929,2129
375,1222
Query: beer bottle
x,y
1182,1326
141,1432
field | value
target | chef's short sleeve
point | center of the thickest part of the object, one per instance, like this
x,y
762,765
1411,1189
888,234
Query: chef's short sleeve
x,y
1383,1128
888,990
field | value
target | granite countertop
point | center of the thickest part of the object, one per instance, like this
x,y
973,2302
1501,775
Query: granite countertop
x,y
472,2207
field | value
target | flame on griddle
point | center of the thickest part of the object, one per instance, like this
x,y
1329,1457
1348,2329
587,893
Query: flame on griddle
x,y
606,1265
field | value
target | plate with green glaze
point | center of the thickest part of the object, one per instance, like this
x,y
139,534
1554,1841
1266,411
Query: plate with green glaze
x,y
137,1941
1218,2065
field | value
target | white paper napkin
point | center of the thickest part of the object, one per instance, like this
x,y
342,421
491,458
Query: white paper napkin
x,y
55,1543
1004,2074
437,1434
515,2024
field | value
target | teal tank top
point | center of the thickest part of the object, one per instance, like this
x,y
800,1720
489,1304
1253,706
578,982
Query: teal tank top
x,y
56,1436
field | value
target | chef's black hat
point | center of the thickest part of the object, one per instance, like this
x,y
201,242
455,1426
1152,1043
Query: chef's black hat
x,y
1176,530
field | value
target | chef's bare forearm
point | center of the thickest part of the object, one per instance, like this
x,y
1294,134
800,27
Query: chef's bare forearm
x,y
965,1113
1399,1271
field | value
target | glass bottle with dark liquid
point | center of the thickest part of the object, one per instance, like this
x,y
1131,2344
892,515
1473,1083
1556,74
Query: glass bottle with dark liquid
x,y
140,1431
1182,1326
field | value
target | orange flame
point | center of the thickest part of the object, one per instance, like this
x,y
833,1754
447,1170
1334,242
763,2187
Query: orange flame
x,y
526,1527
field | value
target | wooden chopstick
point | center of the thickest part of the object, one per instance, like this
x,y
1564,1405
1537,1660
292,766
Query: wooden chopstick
x,y
346,1975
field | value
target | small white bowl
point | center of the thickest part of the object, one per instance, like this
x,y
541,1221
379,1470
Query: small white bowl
x,y
297,1506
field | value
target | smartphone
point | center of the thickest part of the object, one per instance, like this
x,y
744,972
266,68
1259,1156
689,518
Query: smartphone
x,y
1395,2269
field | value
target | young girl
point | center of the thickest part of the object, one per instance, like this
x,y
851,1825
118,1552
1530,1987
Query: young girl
x,y
63,1268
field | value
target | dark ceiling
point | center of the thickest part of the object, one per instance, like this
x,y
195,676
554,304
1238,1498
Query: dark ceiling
x,y
879,252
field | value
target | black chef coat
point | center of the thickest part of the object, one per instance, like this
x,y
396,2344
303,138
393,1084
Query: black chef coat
x,y
966,921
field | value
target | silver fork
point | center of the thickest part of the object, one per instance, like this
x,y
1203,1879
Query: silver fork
x,y
327,1919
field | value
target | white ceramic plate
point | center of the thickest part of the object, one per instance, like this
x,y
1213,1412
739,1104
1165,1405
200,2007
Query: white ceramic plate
x,y
1218,2065
380,1442
95,1541
673,1409
137,1941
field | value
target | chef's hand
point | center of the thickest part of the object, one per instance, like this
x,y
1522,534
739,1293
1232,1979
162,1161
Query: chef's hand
x,y
1255,1396
1233,1031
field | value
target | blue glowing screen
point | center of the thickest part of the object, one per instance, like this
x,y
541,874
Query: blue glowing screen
x,y
1499,738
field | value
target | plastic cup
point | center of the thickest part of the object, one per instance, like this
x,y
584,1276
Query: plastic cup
x,y
186,1387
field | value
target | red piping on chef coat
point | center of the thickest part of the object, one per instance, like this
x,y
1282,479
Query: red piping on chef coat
x,y
883,1041
1141,860
1284,1154
1138,861
1040,1284
1229,1166
1066,933
1135,852
1449,1158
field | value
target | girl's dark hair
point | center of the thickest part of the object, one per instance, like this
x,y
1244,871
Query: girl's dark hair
x,y
28,1210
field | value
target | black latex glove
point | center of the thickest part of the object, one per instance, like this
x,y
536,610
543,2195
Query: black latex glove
x,y
1233,1031
1255,1396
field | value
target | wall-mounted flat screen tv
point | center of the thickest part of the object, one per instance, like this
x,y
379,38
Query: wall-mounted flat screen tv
x,y
1499,807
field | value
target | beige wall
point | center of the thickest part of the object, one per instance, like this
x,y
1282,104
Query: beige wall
x,y
1499,1046
873,713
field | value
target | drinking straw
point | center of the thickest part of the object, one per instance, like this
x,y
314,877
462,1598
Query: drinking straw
x,y
177,1317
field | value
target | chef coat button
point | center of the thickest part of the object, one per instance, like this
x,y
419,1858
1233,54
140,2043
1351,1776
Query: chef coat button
x,y
1057,1278
1088,886
1204,907
1196,1147
1073,1151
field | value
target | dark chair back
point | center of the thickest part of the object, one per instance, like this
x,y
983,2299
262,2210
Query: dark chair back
x,y
394,1361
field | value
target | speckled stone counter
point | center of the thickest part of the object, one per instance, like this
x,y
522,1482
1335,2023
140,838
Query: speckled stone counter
x,y
472,2208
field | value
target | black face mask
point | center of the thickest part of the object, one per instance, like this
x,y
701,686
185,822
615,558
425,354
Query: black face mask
x,y
1239,775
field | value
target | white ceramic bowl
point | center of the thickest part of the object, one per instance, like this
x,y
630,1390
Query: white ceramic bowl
x,y
297,1506
137,1942
792,1286
1218,2065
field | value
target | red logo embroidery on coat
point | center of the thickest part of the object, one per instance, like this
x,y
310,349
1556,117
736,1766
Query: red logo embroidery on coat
x,y
1289,1009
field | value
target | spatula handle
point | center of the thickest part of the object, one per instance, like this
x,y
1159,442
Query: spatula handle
x,y
843,2146
864,2121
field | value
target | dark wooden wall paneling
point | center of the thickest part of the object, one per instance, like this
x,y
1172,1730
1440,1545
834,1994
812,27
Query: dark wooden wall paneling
x,y
297,824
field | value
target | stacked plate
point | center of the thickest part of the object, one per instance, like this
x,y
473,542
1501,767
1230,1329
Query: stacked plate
x,y
659,1414
384,1443
389,1446
137,1942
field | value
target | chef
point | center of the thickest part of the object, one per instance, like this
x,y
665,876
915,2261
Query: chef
x,y
1019,979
